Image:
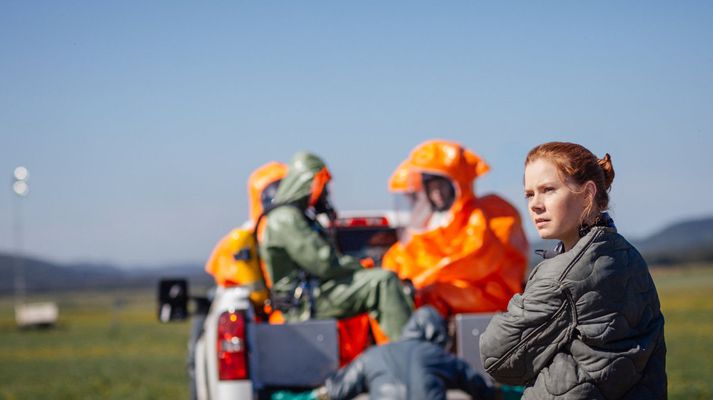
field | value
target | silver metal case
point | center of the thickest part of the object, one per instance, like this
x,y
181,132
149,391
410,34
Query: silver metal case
x,y
469,327
301,354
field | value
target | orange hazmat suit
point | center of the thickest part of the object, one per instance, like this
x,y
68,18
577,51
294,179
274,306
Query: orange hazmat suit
x,y
474,259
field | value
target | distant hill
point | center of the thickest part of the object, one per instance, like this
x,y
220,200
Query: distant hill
x,y
41,275
687,241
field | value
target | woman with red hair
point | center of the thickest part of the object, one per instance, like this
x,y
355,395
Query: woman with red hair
x,y
589,323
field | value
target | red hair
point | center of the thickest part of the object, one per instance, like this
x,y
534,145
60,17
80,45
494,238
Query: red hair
x,y
577,164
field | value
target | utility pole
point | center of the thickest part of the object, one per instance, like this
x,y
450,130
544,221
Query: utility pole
x,y
21,188
43,314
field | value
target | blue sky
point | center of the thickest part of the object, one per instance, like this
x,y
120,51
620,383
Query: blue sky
x,y
140,121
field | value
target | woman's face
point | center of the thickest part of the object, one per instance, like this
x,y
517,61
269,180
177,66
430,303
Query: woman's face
x,y
555,206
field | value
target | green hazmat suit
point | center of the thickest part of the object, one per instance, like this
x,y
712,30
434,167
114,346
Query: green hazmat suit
x,y
293,244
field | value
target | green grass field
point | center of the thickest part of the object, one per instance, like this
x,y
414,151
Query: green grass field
x,y
110,346
107,346
687,301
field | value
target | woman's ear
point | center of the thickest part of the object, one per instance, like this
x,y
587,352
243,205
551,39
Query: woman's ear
x,y
590,189
590,193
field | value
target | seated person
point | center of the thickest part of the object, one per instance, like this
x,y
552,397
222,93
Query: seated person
x,y
589,323
462,253
262,186
296,249
222,265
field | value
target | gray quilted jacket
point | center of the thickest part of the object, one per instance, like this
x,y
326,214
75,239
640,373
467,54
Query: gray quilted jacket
x,y
587,326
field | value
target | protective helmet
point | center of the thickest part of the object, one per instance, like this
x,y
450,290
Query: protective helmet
x,y
262,186
439,157
307,177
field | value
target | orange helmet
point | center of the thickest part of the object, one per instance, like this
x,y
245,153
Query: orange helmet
x,y
439,157
262,185
403,179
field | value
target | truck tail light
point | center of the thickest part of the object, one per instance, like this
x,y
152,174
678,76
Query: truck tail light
x,y
232,354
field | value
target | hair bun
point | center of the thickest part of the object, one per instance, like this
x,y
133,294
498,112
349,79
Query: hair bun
x,y
606,165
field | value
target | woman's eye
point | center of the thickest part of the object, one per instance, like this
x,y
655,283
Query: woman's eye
x,y
548,189
528,195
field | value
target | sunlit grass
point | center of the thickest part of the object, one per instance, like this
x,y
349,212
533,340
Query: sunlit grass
x,y
110,346
687,301
107,346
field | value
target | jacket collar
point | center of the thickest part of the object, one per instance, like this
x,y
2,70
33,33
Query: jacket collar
x,y
604,220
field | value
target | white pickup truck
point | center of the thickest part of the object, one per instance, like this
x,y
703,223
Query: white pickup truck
x,y
234,356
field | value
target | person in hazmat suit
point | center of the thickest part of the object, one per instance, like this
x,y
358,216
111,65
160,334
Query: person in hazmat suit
x,y
461,252
417,366
262,187
305,267
222,265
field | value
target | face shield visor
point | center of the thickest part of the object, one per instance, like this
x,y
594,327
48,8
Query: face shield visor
x,y
268,194
323,205
421,201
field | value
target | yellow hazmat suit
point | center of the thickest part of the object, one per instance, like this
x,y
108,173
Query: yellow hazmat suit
x,y
472,257
222,263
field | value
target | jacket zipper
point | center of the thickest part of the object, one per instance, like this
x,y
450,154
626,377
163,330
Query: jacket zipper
x,y
575,318
579,255
568,299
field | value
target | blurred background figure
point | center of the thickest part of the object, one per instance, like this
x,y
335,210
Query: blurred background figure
x,y
262,186
229,271
417,366
462,253
304,264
